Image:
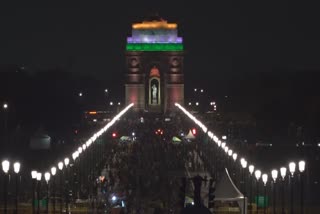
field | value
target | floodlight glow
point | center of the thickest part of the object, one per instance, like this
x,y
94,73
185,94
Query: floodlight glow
x,y
264,179
226,149
74,155
251,169
274,174
283,172
244,164
60,165
80,150
16,167
234,156
53,171
302,166
34,174
5,166
66,161
39,175
223,144
47,176
292,168
257,174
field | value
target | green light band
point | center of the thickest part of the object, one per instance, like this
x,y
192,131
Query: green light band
x,y
154,47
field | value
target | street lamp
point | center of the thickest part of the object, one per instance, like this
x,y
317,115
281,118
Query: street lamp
x,y
80,150
283,173
47,178
53,173
302,166
265,180
274,175
244,164
234,156
39,175
75,155
16,169
66,163
34,178
76,174
223,144
5,168
60,167
251,169
226,149
5,105
292,169
257,174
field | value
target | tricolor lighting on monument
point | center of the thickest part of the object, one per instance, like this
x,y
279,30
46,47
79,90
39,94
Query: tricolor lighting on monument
x,y
154,36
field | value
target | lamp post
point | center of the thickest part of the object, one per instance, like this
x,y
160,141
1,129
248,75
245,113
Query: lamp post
x,y
234,157
66,163
274,174
39,176
78,186
60,167
265,180
251,169
5,168
75,155
302,165
229,153
53,173
34,178
283,172
47,178
16,169
244,166
292,169
257,174
5,107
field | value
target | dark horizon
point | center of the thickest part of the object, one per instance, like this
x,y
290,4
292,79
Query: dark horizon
x,y
227,37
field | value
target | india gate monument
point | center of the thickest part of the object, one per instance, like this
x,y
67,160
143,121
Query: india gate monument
x,y
154,66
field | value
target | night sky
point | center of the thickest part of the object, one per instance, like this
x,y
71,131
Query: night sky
x,y
224,37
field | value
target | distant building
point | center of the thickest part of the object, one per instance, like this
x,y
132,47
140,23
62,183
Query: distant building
x,y
154,66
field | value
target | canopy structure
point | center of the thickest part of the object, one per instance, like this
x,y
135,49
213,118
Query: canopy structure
x,y
125,139
176,140
190,136
227,191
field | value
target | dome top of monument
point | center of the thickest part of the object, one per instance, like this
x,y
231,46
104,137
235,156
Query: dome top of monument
x,y
154,21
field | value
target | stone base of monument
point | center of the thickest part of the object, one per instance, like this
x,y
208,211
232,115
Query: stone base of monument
x,y
155,108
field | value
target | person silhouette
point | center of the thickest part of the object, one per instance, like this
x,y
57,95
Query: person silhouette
x,y
197,182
